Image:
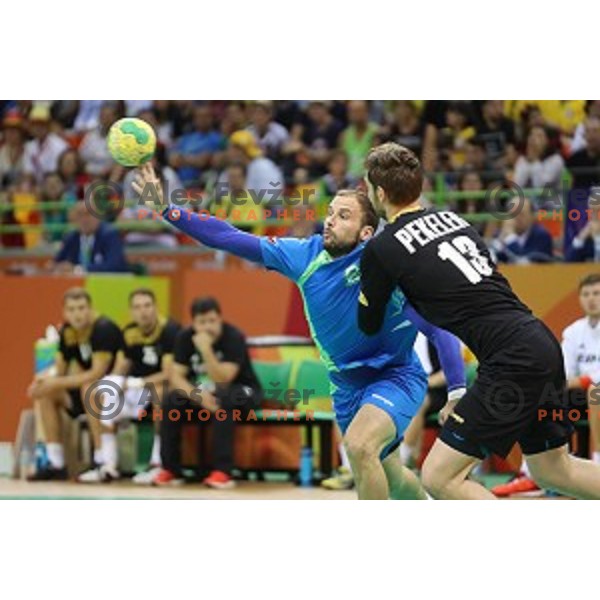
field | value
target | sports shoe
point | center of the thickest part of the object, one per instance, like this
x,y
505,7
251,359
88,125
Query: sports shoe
x,y
102,474
219,481
519,486
146,477
342,480
164,477
49,474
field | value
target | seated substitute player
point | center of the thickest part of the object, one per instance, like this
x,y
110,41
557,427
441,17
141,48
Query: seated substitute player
x,y
581,349
444,268
377,383
141,373
212,370
88,346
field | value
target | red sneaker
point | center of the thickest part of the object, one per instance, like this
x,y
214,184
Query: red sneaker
x,y
219,481
164,477
519,486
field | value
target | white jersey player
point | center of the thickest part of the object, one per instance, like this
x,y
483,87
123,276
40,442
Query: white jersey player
x,y
581,348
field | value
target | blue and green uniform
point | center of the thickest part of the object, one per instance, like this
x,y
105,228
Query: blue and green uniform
x,y
382,370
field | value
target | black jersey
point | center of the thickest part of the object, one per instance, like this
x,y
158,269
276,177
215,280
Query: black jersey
x,y
230,347
146,351
445,270
103,336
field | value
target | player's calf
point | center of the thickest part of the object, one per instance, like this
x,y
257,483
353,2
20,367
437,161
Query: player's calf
x,y
558,470
403,483
49,408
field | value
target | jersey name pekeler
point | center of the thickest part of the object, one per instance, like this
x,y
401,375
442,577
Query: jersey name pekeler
x,y
473,300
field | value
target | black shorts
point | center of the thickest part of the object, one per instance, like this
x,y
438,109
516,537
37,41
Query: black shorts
x,y
76,404
504,405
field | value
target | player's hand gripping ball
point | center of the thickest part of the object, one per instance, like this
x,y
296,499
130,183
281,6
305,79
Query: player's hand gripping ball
x,y
131,142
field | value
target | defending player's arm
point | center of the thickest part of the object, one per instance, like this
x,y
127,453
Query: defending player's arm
x,y
449,354
376,287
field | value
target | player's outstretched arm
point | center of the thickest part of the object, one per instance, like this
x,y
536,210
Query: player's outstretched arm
x,y
210,231
449,352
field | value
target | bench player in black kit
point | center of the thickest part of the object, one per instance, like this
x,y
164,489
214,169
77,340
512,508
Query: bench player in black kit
x,y
446,272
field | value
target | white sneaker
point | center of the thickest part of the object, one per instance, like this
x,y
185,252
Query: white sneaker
x,y
109,473
146,477
102,474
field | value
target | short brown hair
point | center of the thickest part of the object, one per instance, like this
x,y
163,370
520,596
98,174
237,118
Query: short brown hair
x,y
397,170
370,217
77,293
206,304
591,279
142,291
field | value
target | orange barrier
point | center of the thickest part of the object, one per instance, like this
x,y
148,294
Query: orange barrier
x,y
550,290
27,307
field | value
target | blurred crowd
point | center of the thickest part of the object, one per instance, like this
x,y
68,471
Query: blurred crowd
x,y
224,150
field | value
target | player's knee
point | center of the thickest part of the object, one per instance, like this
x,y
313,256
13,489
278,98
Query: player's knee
x,y
549,478
44,401
434,481
360,448
551,470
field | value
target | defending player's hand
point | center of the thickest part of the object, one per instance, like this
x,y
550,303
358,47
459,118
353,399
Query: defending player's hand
x,y
445,412
148,186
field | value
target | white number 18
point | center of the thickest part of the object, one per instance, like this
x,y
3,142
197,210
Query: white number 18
x,y
464,254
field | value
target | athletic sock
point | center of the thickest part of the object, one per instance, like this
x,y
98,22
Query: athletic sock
x,y
345,461
56,455
109,456
155,457
406,453
596,457
98,457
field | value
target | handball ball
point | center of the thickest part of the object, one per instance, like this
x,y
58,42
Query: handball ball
x,y
131,142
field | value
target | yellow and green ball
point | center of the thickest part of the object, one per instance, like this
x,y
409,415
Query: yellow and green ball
x,y
131,142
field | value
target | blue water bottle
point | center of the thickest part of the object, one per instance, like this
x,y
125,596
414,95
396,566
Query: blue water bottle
x,y
41,456
306,467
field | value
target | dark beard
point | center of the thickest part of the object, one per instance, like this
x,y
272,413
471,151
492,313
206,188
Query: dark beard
x,y
336,250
